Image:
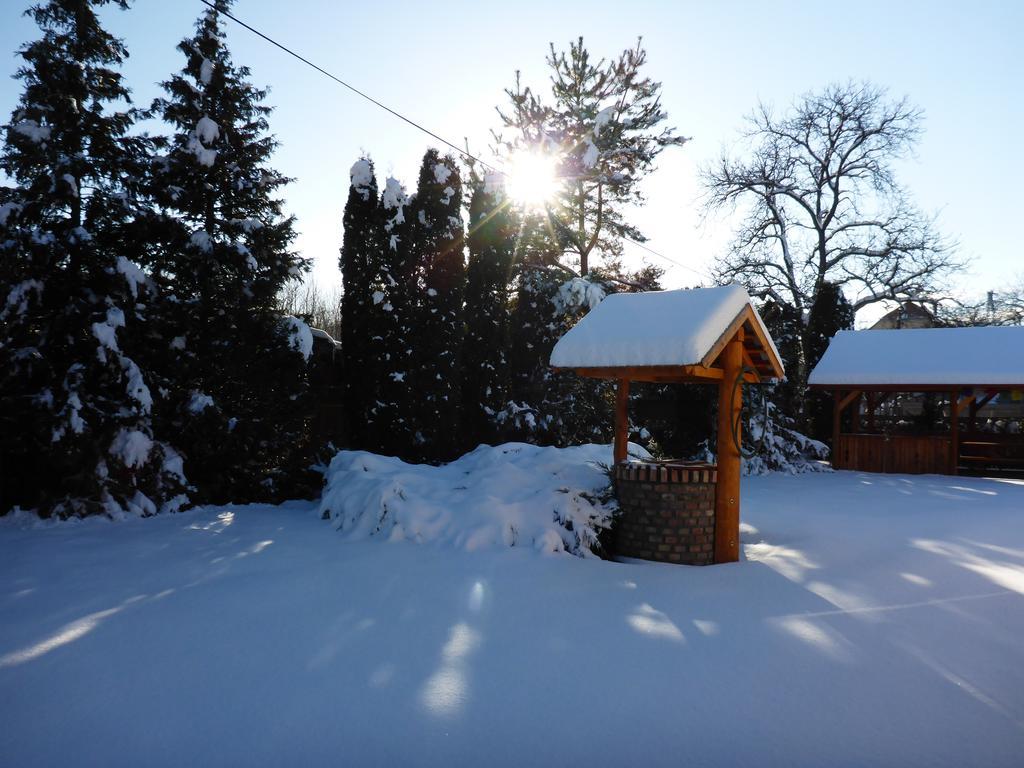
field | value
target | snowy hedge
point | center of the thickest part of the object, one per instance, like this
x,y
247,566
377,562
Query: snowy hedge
x,y
512,495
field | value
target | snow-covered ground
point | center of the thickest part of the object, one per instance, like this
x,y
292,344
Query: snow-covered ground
x,y
875,620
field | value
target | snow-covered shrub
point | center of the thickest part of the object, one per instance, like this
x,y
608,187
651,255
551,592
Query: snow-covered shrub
x,y
512,495
780,448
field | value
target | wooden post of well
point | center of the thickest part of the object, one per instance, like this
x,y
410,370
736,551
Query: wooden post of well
x,y
727,492
621,420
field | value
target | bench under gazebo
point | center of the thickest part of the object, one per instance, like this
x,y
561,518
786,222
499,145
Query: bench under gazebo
x,y
676,511
966,367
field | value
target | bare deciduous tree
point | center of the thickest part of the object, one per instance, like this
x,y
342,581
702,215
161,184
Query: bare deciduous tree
x,y
821,203
1004,307
321,306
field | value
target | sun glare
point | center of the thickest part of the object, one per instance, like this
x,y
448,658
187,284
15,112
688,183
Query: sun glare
x,y
532,178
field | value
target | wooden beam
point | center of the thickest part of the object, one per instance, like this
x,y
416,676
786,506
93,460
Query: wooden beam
x,y
956,406
911,386
954,424
848,399
772,366
986,399
748,360
727,337
727,491
837,412
964,402
662,373
976,405
621,420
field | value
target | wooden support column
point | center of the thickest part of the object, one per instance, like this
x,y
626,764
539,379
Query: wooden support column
x,y
837,410
954,431
976,405
621,420
727,492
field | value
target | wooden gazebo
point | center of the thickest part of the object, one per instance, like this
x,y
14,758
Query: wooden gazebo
x,y
968,366
704,335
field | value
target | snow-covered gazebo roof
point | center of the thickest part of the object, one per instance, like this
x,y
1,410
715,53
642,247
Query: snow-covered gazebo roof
x,y
922,359
667,336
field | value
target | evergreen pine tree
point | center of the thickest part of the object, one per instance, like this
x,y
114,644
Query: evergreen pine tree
x,y
549,406
604,123
485,379
786,328
391,418
225,254
830,313
360,254
440,275
533,332
76,423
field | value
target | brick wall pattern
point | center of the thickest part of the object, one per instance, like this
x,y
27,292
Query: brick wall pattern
x,y
667,512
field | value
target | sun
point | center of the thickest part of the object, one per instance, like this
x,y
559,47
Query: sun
x,y
532,179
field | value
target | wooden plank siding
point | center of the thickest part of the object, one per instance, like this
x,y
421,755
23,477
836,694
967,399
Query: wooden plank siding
x,y
906,454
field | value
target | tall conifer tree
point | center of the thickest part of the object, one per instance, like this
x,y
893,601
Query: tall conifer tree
x,y
76,426
226,253
440,274
360,263
534,329
391,418
830,313
485,375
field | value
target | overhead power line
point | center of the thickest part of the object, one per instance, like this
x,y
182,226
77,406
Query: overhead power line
x,y
352,88
418,126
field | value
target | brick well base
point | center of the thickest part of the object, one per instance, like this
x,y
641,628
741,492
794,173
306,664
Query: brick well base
x,y
667,512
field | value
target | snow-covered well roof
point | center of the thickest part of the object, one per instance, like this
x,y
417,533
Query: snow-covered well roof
x,y
665,328
929,357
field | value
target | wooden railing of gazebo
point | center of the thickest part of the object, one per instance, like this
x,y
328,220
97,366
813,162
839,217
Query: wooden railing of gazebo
x,y
863,448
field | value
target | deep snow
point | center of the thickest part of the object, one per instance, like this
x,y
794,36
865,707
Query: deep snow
x,y
876,620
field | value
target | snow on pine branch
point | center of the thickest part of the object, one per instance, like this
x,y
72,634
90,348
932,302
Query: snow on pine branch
x,y
18,297
578,294
207,131
206,71
361,175
300,337
132,274
32,130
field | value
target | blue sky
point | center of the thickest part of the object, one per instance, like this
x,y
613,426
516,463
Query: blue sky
x,y
446,64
